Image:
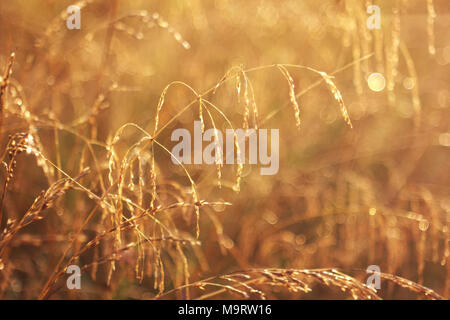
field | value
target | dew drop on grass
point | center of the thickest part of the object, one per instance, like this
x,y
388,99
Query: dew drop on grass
x,y
444,139
186,45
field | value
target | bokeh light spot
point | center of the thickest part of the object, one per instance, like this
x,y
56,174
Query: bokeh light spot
x,y
409,83
376,82
444,139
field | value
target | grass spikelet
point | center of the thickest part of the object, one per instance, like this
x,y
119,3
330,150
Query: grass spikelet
x,y
393,52
18,143
247,283
292,96
356,57
240,166
47,198
337,95
238,86
200,113
352,10
219,152
159,107
254,107
44,201
411,285
249,100
245,124
395,45
149,21
153,179
430,27
4,81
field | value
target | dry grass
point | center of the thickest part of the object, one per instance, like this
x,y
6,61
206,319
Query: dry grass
x,y
86,116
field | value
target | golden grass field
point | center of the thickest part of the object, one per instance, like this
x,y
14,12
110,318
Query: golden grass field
x,y
86,117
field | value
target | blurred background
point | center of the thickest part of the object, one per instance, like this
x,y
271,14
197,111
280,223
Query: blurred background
x,y
374,194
